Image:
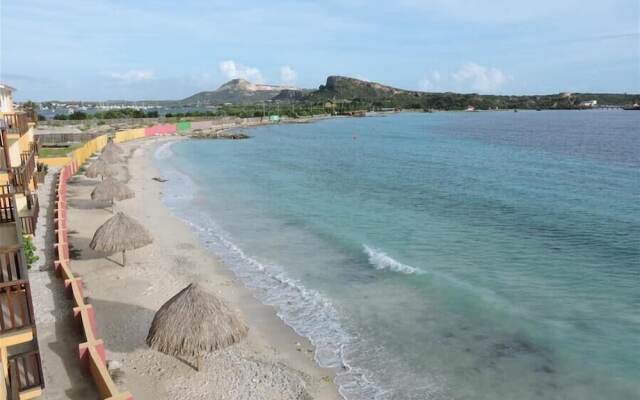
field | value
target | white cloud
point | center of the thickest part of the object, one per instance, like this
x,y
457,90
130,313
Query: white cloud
x,y
480,78
287,75
134,75
232,70
431,82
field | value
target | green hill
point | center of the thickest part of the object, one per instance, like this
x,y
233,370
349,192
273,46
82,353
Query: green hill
x,y
372,94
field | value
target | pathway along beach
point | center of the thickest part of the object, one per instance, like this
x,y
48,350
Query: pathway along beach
x,y
271,363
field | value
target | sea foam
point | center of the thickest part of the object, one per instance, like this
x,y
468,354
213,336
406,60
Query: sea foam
x,y
307,311
382,261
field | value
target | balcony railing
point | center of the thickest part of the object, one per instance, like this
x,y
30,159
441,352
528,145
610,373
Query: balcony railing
x,y
16,309
10,262
28,225
7,209
22,175
17,123
25,373
34,149
29,222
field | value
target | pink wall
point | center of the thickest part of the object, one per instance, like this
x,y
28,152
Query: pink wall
x,y
162,129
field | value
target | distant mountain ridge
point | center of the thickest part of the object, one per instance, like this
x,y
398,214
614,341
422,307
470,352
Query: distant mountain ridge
x,y
373,94
239,85
237,91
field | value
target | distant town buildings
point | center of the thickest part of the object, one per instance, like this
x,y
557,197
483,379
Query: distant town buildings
x,y
588,104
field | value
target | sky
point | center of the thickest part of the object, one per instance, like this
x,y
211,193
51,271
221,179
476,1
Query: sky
x,y
167,49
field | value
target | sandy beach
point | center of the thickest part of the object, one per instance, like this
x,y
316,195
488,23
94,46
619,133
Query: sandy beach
x,y
271,363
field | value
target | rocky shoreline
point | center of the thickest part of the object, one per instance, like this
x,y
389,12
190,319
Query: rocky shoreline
x,y
218,134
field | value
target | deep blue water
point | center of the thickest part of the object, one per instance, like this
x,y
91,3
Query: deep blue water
x,y
437,256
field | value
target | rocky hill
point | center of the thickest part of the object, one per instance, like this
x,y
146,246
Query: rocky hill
x,y
368,94
236,91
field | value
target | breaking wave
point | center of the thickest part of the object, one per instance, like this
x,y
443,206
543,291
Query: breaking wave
x,y
307,311
382,261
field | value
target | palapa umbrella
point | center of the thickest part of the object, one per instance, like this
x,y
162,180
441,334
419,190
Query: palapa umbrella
x,y
110,156
101,168
120,233
111,189
193,322
112,146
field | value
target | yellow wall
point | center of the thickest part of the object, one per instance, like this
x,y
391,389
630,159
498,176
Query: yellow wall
x,y
26,140
129,134
82,154
55,161
14,150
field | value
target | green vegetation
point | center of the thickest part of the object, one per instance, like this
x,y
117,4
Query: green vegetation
x,y
29,250
343,95
29,105
289,109
42,167
52,152
370,96
118,113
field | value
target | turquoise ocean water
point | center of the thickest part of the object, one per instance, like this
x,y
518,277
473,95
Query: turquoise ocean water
x,y
437,256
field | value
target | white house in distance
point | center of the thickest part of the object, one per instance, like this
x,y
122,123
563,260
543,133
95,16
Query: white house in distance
x,y
6,98
588,104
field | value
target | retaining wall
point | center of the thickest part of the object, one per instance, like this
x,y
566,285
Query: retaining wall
x,y
81,154
91,352
159,130
183,126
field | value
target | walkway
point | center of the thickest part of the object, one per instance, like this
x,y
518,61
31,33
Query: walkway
x,y
57,337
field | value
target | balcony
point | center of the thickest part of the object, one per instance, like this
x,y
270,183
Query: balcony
x,y
7,208
10,262
16,311
22,175
33,209
25,375
18,123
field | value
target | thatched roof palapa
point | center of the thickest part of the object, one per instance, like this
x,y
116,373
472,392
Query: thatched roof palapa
x,y
100,167
110,156
194,322
120,233
112,189
112,146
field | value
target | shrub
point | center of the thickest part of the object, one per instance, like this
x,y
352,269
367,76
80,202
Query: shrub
x,y
29,251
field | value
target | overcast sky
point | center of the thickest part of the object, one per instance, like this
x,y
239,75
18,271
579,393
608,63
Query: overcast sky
x,y
161,49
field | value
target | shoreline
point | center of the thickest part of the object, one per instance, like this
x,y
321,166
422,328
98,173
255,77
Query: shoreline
x,y
272,363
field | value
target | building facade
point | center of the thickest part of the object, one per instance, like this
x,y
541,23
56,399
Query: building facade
x,y
19,355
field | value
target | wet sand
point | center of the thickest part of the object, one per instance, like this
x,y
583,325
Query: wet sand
x,y
272,363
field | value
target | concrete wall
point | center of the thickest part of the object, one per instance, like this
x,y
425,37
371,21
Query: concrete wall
x,y
80,155
183,126
8,235
55,161
130,134
91,351
158,130
26,140
14,150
